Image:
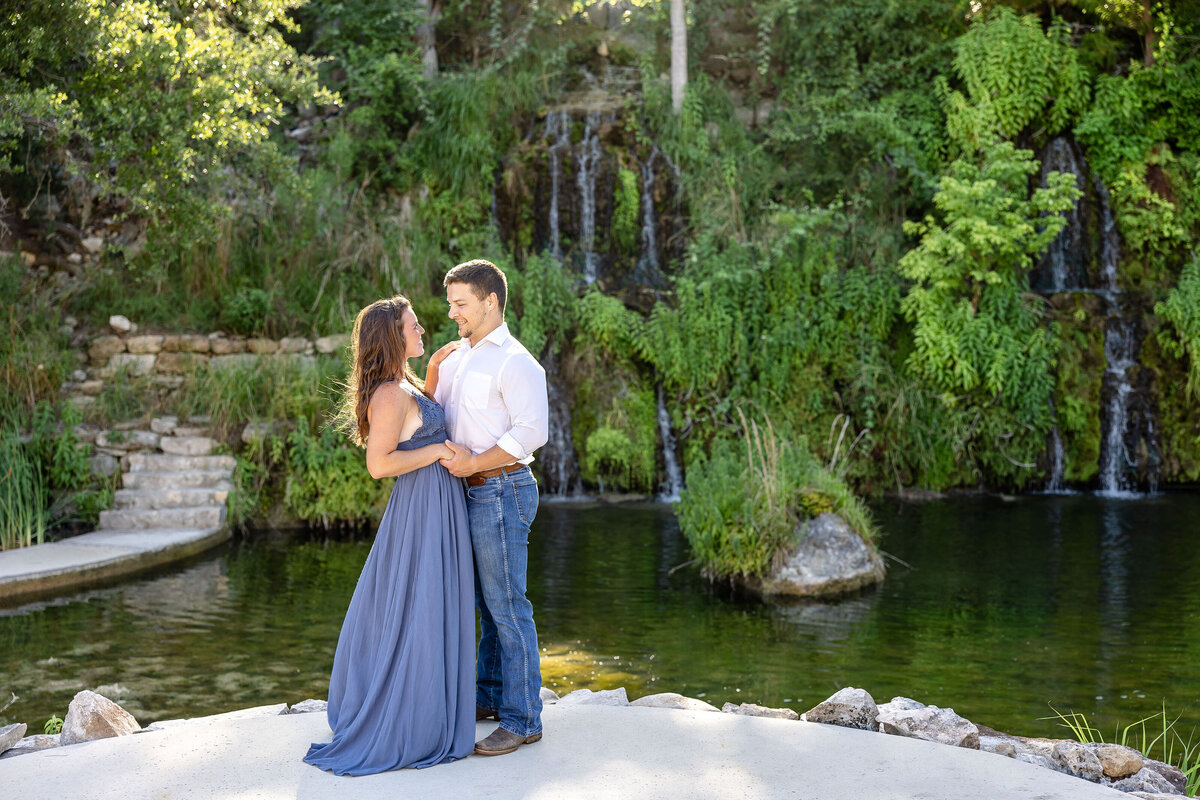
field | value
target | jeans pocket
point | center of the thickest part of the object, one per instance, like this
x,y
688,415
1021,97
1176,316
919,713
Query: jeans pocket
x,y
526,495
486,493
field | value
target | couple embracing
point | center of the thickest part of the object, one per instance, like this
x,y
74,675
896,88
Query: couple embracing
x,y
401,693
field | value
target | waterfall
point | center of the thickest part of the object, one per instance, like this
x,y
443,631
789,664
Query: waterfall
x,y
648,261
560,467
1120,346
1062,267
558,132
673,485
1054,484
589,158
1110,243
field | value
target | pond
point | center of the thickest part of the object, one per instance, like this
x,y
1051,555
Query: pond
x,y
999,609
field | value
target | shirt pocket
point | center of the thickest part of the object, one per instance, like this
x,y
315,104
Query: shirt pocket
x,y
477,390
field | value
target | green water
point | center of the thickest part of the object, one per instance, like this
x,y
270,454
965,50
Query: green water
x,y
1005,608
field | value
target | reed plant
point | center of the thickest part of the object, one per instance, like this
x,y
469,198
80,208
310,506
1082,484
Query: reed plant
x,y
1155,736
24,496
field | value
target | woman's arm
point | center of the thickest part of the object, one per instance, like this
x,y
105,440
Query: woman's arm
x,y
435,362
390,408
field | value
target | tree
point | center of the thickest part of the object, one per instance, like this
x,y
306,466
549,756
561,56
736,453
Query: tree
x,y
429,17
678,53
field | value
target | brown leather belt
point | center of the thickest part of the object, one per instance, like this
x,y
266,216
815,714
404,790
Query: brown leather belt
x,y
479,477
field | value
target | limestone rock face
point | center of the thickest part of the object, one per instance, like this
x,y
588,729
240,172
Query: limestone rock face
x,y
673,700
849,708
932,724
103,348
586,697
120,324
144,344
1116,760
332,344
830,559
93,716
752,710
1076,759
1174,775
10,735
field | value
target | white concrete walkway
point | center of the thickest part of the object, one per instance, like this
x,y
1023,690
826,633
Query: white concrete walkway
x,y
589,752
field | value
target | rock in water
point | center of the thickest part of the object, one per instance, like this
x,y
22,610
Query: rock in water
x,y
752,710
673,700
932,724
10,735
849,708
830,559
93,716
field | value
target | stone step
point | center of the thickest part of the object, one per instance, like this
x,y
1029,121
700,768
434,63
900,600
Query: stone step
x,y
206,479
186,445
168,498
152,462
198,517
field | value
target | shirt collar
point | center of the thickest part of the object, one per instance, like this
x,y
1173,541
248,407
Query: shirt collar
x,y
497,337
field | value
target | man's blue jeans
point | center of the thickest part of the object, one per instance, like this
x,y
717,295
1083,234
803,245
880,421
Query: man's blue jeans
x,y
508,672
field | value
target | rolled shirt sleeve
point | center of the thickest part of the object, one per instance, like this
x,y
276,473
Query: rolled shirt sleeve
x,y
522,384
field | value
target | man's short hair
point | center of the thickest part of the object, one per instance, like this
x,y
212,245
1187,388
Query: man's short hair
x,y
483,277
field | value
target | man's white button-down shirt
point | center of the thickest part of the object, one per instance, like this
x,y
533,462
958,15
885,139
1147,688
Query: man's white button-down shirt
x,y
495,394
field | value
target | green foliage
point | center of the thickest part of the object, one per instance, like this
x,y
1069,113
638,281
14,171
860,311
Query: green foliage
x,y
742,502
1181,311
619,455
542,303
158,103
626,226
34,354
53,725
327,479
1015,75
23,496
978,337
246,311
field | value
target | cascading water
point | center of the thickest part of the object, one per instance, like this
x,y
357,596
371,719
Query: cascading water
x,y
559,464
590,153
648,260
558,132
1062,265
1054,484
1120,345
672,487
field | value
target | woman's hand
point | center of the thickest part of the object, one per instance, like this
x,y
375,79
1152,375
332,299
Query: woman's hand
x,y
440,354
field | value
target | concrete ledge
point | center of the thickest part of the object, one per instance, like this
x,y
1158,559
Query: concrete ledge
x,y
589,752
30,572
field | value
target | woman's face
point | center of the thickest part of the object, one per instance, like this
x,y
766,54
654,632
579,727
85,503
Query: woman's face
x,y
412,332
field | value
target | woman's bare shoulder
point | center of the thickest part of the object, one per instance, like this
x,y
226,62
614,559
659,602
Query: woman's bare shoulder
x,y
391,395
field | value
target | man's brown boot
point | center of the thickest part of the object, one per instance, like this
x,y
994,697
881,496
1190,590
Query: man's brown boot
x,y
482,713
501,741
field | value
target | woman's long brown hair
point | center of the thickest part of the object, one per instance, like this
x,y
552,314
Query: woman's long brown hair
x,y
376,357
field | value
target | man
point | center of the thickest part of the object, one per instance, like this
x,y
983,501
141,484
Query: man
x,y
494,394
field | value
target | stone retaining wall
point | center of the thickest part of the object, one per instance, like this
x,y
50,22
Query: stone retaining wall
x,y
165,359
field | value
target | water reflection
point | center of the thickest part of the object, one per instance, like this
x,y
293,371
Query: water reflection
x,y
1005,607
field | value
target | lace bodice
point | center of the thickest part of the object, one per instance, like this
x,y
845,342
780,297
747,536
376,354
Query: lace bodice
x,y
433,424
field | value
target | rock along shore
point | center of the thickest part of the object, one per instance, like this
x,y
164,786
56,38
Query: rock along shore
x,y
597,745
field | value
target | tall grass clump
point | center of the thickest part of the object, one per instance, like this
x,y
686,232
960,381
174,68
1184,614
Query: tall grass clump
x,y
1155,736
24,496
743,502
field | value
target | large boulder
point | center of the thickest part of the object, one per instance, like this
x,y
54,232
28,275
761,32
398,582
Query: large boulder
x,y
93,716
32,744
932,724
829,559
1116,760
849,708
1146,780
673,700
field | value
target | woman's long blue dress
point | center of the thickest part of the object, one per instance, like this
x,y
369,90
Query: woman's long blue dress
x,y
402,692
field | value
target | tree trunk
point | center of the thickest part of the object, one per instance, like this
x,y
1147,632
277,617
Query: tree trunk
x,y
425,36
1148,35
678,54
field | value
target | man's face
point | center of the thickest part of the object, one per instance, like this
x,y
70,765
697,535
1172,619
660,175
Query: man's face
x,y
467,310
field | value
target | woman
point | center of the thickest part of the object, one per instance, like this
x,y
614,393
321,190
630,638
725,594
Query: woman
x,y
402,689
